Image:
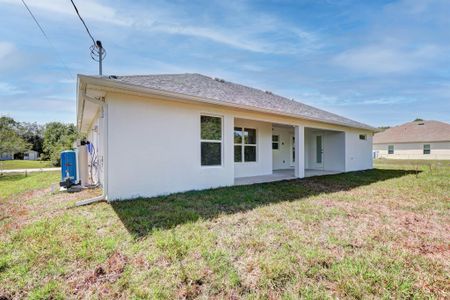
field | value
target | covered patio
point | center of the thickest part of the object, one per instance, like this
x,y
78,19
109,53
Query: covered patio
x,y
267,152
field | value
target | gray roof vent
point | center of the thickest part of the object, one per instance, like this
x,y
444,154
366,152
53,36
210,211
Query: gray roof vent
x,y
421,123
112,77
268,92
219,79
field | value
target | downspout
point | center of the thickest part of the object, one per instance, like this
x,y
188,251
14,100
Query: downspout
x,y
104,195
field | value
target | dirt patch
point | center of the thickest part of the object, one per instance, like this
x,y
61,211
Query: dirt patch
x,y
190,290
414,232
100,279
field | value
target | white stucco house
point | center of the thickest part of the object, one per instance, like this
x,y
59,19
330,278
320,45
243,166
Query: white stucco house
x,y
414,140
159,134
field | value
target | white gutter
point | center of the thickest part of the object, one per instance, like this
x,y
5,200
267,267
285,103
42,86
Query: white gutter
x,y
104,107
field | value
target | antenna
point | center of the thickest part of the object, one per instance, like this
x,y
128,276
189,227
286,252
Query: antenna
x,y
98,53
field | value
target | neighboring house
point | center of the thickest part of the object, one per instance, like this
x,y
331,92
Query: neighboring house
x,y
414,140
27,155
6,156
160,134
30,155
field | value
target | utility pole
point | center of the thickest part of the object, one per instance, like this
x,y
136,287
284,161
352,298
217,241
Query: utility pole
x,y
100,57
98,53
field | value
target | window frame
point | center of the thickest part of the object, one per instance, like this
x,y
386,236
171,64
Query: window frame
x,y
363,137
277,142
429,149
211,141
242,144
389,151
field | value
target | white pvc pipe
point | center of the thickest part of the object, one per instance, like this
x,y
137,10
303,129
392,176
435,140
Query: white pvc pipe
x,y
91,200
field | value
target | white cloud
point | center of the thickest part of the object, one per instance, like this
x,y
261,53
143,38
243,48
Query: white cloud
x,y
413,7
387,58
214,34
252,35
67,81
91,10
6,49
247,30
7,89
387,100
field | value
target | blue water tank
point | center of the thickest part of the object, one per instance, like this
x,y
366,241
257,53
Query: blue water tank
x,y
69,166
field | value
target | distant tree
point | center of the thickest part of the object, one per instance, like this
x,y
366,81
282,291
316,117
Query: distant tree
x,y
383,128
58,137
33,133
418,120
10,139
7,122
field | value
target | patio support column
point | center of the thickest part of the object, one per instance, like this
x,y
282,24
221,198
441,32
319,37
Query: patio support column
x,y
299,151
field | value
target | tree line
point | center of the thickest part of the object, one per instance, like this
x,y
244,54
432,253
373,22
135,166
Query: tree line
x,y
48,139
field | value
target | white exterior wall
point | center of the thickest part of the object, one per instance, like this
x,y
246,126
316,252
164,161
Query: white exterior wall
x,y
282,158
334,151
333,144
439,150
154,148
263,164
358,154
310,149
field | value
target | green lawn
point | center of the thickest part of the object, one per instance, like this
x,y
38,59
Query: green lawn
x,y
382,233
15,184
24,164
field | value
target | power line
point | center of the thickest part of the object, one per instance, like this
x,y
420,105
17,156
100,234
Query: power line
x,y
82,21
98,53
48,39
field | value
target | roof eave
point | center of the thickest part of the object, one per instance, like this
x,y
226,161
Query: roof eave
x,y
407,142
145,90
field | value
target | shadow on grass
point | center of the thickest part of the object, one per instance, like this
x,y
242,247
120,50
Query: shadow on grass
x,y
141,216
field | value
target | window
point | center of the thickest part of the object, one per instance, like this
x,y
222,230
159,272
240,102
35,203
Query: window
x,y
426,149
275,142
319,149
363,137
293,149
244,144
391,149
211,140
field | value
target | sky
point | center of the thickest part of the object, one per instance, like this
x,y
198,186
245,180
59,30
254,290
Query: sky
x,y
379,62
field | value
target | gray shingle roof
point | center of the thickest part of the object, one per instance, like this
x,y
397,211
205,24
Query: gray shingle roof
x,y
418,131
206,87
